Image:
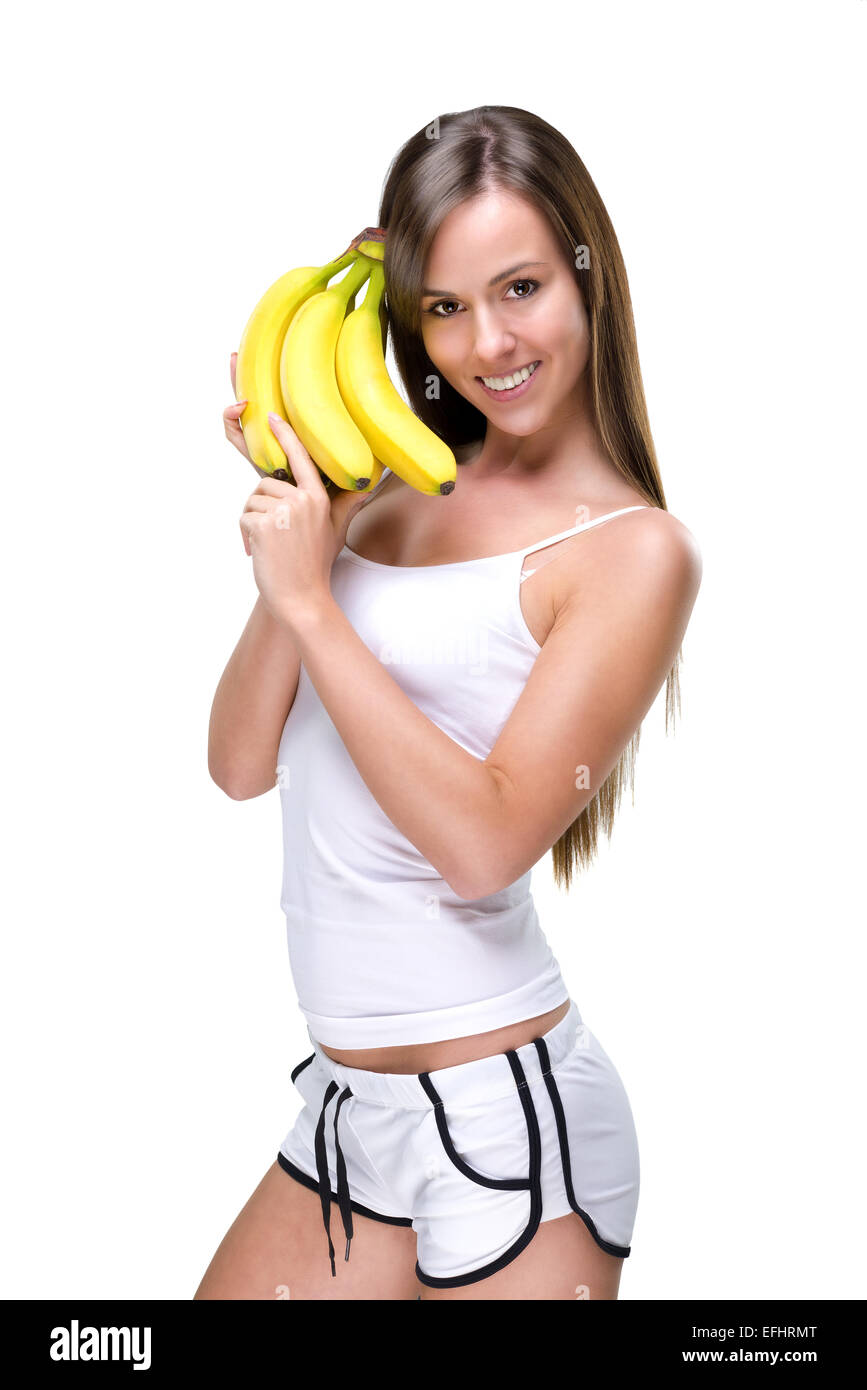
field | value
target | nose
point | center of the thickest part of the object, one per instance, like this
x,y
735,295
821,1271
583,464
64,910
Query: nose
x,y
493,340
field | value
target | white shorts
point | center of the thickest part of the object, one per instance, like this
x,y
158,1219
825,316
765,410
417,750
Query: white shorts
x,y
473,1157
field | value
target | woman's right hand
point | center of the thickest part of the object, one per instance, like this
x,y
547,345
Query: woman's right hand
x,y
344,505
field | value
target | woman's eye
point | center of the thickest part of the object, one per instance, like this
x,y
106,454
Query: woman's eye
x,y
434,308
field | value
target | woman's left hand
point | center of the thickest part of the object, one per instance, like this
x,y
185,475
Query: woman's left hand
x,y
294,531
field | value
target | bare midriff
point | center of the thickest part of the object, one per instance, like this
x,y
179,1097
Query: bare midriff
x,y
451,1052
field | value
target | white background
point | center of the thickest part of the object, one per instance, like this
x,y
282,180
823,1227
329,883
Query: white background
x,y
163,164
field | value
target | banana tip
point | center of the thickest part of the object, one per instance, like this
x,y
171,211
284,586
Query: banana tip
x,y
446,488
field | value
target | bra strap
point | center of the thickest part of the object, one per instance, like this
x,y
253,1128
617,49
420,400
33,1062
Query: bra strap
x,y
574,531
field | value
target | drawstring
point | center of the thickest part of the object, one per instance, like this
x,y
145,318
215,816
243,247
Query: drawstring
x,y
322,1171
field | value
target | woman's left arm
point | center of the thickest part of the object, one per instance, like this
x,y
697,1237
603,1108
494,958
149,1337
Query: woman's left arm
x,y
615,638
482,824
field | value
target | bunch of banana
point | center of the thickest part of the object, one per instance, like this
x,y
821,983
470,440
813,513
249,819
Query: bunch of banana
x,y
308,382
309,354
395,433
257,368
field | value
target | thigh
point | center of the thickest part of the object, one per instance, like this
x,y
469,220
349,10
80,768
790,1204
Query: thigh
x,y
277,1248
562,1261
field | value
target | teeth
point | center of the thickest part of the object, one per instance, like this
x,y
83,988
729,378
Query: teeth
x,y
505,383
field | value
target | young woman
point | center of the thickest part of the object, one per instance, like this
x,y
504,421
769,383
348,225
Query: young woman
x,y
447,690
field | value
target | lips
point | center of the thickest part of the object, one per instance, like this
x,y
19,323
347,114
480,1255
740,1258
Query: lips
x,y
512,393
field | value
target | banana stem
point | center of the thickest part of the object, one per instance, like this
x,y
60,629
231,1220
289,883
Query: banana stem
x,y
352,282
375,289
329,271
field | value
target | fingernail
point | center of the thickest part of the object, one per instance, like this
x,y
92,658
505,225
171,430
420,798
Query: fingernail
x,y
272,416
243,402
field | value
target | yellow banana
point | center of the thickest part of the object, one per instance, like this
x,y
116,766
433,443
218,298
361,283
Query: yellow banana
x,y
308,383
394,432
257,369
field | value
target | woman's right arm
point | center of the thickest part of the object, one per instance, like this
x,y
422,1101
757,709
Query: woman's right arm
x,y
257,688
251,704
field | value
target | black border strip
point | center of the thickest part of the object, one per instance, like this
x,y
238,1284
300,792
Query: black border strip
x,y
300,1067
533,1181
295,1172
621,1251
448,1145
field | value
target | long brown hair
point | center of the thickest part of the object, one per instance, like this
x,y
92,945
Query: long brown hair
x,y
456,157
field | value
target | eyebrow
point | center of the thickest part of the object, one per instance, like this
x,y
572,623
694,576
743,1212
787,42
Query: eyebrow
x,y
496,280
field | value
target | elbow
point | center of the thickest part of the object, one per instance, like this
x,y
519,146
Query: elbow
x,y
492,868
485,877
499,854
464,886
241,791
471,892
237,786
475,882
236,792
466,894
230,788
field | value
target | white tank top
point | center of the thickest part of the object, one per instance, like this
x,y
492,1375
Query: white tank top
x,y
382,951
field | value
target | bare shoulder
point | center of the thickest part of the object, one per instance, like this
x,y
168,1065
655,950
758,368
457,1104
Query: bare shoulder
x,y
643,562
651,541
660,539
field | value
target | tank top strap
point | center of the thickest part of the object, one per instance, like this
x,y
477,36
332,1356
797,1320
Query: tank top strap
x,y
571,531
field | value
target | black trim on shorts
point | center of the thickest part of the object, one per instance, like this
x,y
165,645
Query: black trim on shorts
x,y
300,1176
532,1182
448,1144
300,1067
557,1105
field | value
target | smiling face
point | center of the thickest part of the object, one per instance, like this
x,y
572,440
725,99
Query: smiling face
x,y
534,313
